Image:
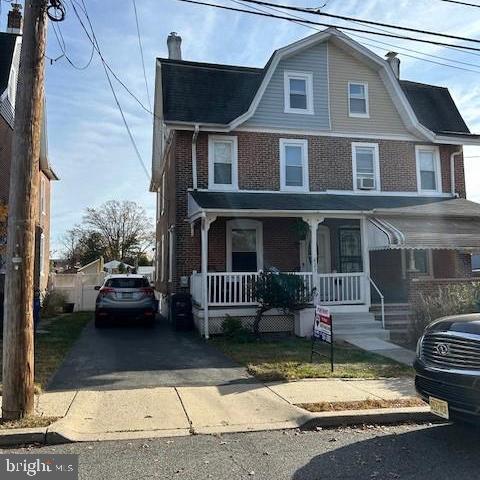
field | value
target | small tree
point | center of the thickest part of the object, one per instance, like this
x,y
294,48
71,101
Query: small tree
x,y
286,292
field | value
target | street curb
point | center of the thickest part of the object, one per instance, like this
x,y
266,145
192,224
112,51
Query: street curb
x,y
22,436
380,416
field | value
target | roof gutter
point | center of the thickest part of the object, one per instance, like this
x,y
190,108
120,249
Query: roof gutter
x,y
194,155
452,170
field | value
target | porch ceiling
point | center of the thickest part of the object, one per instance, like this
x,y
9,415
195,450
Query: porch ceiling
x,y
454,224
300,202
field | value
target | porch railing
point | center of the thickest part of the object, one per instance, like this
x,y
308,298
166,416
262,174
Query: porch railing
x,y
236,288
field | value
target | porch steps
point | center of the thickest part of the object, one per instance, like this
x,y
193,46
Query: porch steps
x,y
397,318
359,324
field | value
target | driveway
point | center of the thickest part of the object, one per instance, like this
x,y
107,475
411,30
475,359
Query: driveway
x,y
136,357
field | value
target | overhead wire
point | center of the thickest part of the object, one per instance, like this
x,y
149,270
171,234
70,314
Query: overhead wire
x,y
112,88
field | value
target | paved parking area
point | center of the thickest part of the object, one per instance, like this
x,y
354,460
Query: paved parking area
x,y
126,357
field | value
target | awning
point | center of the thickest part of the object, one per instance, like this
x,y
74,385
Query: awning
x,y
453,224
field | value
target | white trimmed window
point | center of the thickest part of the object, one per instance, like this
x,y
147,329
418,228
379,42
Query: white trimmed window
x,y
41,259
358,99
163,194
244,245
365,166
428,169
294,164
222,162
170,254
43,198
162,258
298,91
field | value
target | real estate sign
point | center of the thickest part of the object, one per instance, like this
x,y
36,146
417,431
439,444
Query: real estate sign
x,y
322,331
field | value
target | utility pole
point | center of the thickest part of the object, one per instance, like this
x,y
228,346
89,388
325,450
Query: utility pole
x,y
18,341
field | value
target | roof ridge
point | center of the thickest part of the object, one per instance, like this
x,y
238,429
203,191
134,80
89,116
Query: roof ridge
x,y
421,84
216,66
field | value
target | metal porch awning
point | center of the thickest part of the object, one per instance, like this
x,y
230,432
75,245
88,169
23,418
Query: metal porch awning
x,y
453,225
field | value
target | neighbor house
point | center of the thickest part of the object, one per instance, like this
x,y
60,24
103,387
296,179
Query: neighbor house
x,y
10,44
324,163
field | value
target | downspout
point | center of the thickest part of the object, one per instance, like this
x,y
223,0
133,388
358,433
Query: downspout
x,y
452,171
194,155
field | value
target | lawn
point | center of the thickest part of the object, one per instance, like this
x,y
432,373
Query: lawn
x,y
289,359
53,341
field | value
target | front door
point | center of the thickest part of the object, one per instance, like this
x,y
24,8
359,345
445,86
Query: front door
x,y
323,251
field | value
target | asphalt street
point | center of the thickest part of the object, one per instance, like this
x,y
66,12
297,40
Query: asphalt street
x,y
372,452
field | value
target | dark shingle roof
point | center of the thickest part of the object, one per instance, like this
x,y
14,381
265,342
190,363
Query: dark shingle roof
x,y
434,107
211,93
207,93
304,201
7,46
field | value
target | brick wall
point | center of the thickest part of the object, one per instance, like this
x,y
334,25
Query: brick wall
x,y
330,162
5,155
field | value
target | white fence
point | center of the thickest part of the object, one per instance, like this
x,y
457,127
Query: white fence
x,y
236,288
79,288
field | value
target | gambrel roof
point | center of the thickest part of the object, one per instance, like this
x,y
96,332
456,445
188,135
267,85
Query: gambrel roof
x,y
226,95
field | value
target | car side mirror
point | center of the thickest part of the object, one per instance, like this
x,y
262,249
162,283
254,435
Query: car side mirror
x,y
97,287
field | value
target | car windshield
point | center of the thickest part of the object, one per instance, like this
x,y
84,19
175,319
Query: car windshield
x,y
127,282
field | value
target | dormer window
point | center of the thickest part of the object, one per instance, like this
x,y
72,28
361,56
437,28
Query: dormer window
x,y
358,99
298,89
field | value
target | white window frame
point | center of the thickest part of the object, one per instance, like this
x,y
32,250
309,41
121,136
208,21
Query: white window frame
x,y
436,160
162,253
359,115
170,254
211,158
239,224
303,143
43,200
41,254
308,77
376,165
162,211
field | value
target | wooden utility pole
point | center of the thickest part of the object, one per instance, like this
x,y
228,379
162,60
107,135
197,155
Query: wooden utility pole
x,y
18,366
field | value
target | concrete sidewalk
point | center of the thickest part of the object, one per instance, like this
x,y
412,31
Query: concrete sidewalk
x,y
174,411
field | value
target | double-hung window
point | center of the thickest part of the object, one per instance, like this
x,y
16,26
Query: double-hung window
x,y
43,196
365,166
298,89
358,99
222,162
428,168
244,245
293,164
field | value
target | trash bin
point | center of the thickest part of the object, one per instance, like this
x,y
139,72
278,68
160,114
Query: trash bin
x,y
181,311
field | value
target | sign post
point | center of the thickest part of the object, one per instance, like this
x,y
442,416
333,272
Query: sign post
x,y
322,332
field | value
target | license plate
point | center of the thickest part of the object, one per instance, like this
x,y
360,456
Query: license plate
x,y
127,296
439,407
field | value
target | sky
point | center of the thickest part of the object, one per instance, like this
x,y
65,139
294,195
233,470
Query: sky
x,y
88,144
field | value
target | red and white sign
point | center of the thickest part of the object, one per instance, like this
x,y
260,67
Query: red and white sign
x,y
322,325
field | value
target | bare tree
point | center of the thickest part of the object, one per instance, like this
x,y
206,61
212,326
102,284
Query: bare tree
x,y
124,228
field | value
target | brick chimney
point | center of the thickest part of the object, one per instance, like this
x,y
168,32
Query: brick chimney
x,y
15,20
174,44
394,62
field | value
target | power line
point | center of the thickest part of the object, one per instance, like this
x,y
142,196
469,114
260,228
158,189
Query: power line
x,y
316,11
97,48
299,22
329,25
465,4
141,54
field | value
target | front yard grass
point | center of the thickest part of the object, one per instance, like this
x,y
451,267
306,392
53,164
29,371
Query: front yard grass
x,y
289,359
362,405
53,340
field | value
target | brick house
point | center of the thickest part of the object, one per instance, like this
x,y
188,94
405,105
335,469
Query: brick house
x,y
10,44
324,163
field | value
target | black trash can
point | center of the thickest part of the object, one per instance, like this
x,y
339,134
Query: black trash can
x,y
181,311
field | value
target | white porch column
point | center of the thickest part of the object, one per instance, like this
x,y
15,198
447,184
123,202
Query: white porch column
x,y
205,226
313,223
365,260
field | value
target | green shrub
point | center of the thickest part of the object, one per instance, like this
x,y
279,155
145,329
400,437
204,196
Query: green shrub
x,y
53,303
451,299
234,331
